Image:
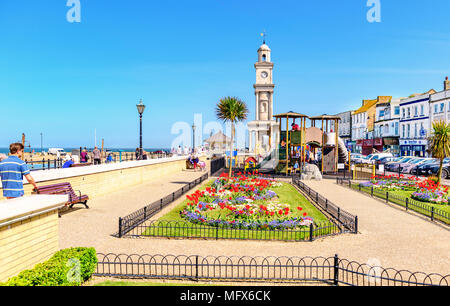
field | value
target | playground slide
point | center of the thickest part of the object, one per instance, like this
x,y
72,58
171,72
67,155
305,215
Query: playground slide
x,y
342,151
270,162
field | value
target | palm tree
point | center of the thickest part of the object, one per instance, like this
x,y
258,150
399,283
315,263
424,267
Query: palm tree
x,y
233,110
440,143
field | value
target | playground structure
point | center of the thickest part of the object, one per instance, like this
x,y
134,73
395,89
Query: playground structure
x,y
299,145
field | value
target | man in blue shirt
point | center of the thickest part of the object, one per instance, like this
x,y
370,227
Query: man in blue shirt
x,y
69,162
12,171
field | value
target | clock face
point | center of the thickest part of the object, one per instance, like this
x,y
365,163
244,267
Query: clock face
x,y
264,74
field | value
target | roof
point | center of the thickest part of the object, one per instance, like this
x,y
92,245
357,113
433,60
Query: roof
x,y
325,117
218,138
264,47
290,114
368,104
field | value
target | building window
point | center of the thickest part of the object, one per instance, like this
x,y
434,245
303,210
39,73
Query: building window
x,y
415,130
435,108
396,129
397,111
409,112
264,58
442,107
416,112
404,112
422,110
403,131
409,131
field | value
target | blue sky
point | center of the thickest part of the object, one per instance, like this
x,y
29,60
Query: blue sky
x,y
67,80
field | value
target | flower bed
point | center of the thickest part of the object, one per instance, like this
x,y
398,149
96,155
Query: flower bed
x,y
243,202
422,190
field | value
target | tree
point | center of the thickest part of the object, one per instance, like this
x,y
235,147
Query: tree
x,y
233,110
440,144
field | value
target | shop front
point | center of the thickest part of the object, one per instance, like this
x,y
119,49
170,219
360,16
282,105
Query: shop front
x,y
358,146
367,146
391,144
413,147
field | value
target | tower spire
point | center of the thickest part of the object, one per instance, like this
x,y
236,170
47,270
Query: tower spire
x,y
264,35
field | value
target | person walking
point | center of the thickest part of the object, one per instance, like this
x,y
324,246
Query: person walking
x,y
97,156
12,171
84,156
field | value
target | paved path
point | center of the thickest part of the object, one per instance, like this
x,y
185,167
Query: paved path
x,y
388,235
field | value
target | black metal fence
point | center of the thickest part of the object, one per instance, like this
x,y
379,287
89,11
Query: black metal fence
x,y
331,270
217,164
406,202
344,218
184,229
44,164
134,225
133,220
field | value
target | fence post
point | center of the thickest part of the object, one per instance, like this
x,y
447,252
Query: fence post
x,y
120,227
145,212
336,270
407,202
356,224
326,204
339,214
311,232
161,204
371,192
432,213
196,267
387,197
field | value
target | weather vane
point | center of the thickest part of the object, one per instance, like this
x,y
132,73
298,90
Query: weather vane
x,y
264,35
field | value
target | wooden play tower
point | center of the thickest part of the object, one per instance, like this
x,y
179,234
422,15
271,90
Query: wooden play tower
x,y
292,139
330,155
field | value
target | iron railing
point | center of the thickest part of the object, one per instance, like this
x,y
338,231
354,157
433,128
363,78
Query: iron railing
x,y
133,220
406,202
331,270
184,229
217,164
347,220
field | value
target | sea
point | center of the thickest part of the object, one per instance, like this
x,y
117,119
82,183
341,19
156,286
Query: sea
x,y
68,150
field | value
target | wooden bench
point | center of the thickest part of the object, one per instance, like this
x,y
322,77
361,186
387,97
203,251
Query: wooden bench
x,y
64,188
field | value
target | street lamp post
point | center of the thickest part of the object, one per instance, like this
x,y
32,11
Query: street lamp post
x,y
193,137
140,108
41,145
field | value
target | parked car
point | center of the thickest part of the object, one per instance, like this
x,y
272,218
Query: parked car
x,y
373,158
433,168
385,160
56,151
356,157
406,167
393,167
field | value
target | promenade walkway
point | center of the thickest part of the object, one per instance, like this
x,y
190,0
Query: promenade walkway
x,y
388,236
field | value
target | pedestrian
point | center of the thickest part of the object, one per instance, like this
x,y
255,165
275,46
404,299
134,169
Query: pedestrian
x,y
84,157
97,156
68,161
12,171
138,154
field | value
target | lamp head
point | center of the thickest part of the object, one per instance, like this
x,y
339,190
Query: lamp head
x,y
140,107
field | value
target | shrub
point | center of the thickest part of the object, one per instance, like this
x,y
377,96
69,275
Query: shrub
x,y
69,267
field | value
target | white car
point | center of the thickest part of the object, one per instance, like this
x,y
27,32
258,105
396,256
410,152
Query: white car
x,y
56,151
372,158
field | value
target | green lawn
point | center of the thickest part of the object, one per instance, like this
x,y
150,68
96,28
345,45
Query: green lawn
x,y
172,225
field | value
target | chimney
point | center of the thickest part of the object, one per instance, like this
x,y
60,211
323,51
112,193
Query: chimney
x,y
446,84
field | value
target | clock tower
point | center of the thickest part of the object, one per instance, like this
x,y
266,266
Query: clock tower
x,y
261,131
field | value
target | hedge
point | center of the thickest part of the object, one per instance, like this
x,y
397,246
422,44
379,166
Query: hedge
x,y
60,270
